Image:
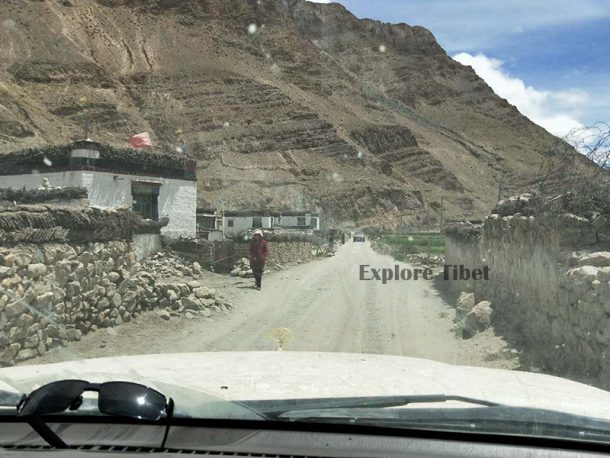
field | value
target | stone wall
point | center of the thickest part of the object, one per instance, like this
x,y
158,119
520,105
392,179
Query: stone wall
x,y
281,254
53,292
549,286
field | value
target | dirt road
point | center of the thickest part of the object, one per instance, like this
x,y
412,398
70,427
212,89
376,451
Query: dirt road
x,y
324,304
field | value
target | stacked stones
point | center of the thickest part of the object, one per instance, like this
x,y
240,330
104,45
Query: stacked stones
x,y
242,268
167,264
191,300
51,294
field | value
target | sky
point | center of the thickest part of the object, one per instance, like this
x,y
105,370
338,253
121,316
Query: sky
x,y
549,58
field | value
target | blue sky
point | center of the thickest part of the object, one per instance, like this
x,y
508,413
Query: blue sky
x,y
550,58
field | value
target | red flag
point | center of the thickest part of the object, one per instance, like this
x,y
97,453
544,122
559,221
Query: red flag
x,y
140,140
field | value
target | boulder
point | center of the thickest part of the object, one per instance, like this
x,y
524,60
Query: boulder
x,y
117,300
478,319
26,353
163,314
582,274
37,270
598,259
9,353
202,292
465,303
14,308
235,272
191,303
45,299
172,296
603,274
114,277
208,302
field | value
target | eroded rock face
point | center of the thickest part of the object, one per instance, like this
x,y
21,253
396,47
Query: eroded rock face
x,y
292,104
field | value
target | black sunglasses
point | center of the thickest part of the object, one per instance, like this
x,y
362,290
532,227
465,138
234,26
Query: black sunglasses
x,y
124,399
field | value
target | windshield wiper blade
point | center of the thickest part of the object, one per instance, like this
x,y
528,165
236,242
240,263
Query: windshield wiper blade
x,y
276,408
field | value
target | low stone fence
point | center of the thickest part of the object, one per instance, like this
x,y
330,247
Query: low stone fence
x,y
549,287
281,254
52,293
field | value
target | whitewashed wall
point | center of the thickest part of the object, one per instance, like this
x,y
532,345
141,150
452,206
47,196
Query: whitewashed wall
x,y
243,223
146,245
177,198
34,180
290,221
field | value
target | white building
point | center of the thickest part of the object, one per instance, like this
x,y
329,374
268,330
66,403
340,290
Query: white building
x,y
241,221
152,184
297,220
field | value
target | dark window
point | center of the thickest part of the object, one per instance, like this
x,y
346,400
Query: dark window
x,y
146,199
257,222
206,222
230,222
301,221
313,222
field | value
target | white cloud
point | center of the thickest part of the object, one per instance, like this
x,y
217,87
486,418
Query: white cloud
x,y
556,111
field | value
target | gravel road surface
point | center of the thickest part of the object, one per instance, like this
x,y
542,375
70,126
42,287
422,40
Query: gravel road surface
x,y
325,305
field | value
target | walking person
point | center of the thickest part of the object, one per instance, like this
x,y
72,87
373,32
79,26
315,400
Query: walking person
x,y
258,256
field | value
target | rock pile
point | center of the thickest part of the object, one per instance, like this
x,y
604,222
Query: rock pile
x,y
174,298
52,294
242,268
167,264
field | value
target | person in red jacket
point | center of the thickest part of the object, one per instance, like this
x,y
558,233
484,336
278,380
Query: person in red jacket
x,y
258,255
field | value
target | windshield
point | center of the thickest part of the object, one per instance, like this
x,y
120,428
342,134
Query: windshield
x,y
289,210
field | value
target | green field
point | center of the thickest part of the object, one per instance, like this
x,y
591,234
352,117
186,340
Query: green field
x,y
424,242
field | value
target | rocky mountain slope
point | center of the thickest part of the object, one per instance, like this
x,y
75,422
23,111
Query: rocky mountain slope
x,y
285,103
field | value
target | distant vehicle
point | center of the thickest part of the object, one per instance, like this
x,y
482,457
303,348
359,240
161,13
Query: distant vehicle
x,y
359,238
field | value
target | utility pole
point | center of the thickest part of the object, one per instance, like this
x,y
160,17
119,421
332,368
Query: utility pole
x,y
500,187
442,213
223,202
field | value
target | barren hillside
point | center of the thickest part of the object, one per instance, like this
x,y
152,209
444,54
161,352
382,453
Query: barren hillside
x,y
283,102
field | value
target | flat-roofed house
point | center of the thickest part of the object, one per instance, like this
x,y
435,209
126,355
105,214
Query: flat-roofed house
x,y
241,221
153,184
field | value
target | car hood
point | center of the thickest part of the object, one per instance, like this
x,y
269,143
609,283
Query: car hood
x,y
239,376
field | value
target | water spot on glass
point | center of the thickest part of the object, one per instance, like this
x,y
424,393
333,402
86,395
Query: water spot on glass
x,y
360,154
267,56
410,238
35,171
226,124
382,48
47,161
8,23
252,28
179,149
337,177
275,68
484,259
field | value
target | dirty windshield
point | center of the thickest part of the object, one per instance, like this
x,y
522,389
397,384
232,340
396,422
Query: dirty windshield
x,y
293,200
